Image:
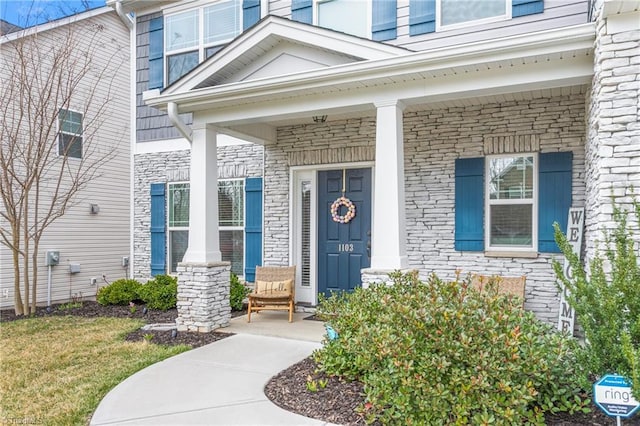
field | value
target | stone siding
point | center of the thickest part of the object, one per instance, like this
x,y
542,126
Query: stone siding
x,y
234,161
433,140
613,142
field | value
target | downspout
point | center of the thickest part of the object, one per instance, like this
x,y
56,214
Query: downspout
x,y
172,112
126,19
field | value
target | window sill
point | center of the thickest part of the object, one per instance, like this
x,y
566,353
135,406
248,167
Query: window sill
x,y
521,254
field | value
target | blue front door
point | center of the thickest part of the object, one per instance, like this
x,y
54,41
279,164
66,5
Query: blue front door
x,y
343,248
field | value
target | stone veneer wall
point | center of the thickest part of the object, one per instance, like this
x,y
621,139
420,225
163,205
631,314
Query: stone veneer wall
x,y
433,140
234,161
613,145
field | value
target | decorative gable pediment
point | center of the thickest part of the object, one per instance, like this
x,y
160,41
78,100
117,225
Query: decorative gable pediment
x,y
278,47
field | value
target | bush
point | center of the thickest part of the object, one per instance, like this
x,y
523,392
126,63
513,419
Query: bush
x,y
442,353
160,293
238,293
119,292
607,305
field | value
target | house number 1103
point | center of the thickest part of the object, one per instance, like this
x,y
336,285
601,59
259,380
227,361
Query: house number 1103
x,y
346,247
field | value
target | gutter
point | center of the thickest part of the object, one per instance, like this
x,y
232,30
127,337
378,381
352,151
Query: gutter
x,y
126,19
172,111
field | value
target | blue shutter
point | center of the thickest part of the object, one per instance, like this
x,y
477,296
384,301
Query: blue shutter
x,y
253,227
302,11
384,20
469,207
156,52
158,230
422,16
526,7
554,199
250,13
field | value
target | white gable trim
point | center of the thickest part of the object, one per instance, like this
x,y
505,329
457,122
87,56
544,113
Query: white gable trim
x,y
285,29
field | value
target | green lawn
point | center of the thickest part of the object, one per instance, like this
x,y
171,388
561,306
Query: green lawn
x,y
55,370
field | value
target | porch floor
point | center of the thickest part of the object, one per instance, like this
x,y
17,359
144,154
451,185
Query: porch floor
x,y
276,324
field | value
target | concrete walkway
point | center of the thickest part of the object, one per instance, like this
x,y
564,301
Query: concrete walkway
x,y
218,384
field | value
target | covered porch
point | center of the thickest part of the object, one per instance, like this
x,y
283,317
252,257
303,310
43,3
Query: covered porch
x,y
379,125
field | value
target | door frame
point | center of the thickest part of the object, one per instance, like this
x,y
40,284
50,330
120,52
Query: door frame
x,y
298,174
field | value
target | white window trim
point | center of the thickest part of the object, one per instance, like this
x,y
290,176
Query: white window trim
x,y
369,33
488,202
201,47
59,131
440,27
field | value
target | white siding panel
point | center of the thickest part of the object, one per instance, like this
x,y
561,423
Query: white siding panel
x,y
95,241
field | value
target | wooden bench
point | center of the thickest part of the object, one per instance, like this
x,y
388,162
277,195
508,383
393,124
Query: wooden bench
x,y
506,285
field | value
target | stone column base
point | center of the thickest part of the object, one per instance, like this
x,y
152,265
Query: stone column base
x,y
374,276
203,296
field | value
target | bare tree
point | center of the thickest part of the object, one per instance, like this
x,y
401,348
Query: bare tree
x,y
45,78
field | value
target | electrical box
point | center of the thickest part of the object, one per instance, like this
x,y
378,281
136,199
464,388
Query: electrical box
x,y
74,268
125,261
52,258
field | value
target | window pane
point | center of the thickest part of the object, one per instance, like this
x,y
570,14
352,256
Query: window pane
x,y
456,11
179,204
179,65
347,16
70,122
231,202
178,242
182,30
511,225
511,178
232,249
221,22
209,51
69,145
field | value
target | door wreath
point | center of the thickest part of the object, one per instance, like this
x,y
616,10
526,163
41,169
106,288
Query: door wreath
x,y
335,210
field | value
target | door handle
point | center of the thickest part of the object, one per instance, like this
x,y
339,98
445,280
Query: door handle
x,y
369,248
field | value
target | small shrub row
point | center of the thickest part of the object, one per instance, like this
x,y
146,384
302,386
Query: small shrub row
x,y
443,353
158,293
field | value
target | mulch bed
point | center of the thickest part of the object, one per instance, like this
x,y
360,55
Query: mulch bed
x,y
338,402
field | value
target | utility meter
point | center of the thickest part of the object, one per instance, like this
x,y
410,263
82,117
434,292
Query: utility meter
x,y
52,258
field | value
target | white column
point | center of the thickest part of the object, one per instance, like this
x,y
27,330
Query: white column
x,y
204,237
389,234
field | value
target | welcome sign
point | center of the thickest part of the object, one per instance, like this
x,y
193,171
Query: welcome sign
x,y
575,226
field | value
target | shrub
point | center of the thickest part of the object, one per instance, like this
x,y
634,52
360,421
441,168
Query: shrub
x,y
238,293
119,292
607,305
442,353
160,293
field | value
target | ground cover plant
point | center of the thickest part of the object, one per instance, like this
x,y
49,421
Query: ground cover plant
x,y
607,298
56,369
439,352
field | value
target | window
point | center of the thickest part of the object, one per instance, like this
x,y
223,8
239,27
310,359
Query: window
x,y
511,201
178,210
427,16
231,223
347,16
456,12
194,35
70,133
